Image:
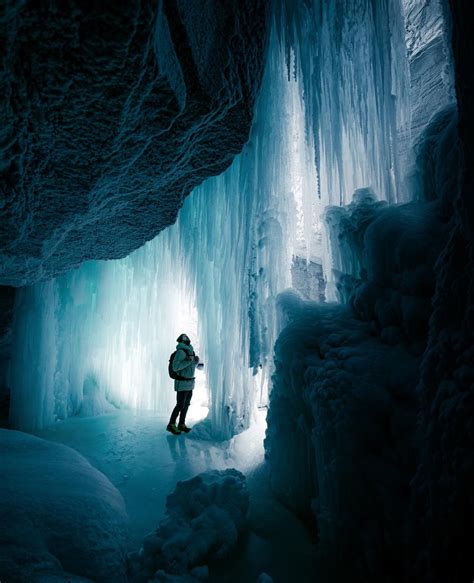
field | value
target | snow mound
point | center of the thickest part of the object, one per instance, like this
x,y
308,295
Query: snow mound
x,y
205,516
60,518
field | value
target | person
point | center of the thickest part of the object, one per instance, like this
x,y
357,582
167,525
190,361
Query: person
x,y
184,364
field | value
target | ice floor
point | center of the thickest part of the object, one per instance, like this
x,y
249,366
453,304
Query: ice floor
x,y
144,462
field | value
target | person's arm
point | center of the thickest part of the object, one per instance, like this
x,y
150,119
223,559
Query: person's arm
x,y
182,360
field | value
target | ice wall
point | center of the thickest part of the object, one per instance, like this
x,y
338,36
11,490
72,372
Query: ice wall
x,y
239,236
100,337
340,438
342,441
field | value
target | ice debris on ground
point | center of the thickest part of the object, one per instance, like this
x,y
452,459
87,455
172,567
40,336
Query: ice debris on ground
x,y
204,518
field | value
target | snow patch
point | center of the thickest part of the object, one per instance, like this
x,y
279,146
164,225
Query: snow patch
x,y
61,519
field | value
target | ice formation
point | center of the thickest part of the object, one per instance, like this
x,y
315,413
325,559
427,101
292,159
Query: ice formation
x,y
346,385
61,519
228,255
344,399
334,116
344,191
346,411
100,337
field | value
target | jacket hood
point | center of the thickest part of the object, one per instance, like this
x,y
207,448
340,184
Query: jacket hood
x,y
186,347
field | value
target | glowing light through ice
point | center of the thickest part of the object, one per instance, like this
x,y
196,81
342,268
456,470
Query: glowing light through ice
x,y
112,325
101,336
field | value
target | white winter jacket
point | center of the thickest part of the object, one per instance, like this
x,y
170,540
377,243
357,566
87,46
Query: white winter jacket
x,y
185,365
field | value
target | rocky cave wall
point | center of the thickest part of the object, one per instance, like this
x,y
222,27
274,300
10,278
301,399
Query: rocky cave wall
x,y
111,114
444,483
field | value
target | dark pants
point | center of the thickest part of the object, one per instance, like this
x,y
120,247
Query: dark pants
x,y
183,398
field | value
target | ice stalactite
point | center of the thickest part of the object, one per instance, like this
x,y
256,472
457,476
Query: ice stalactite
x,y
352,60
239,236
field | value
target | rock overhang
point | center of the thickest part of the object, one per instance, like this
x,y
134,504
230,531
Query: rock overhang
x,y
112,115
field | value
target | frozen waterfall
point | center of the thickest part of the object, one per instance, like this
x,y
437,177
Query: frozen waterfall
x,y
101,335
333,116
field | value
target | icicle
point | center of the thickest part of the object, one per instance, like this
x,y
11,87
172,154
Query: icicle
x,y
352,62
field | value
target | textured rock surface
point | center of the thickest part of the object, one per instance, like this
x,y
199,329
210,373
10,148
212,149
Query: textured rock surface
x,y
111,114
429,50
430,62
444,484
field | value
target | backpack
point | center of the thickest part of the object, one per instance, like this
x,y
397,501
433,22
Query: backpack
x,y
173,374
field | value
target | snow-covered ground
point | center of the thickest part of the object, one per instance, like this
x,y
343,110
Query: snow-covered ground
x,y
60,518
145,462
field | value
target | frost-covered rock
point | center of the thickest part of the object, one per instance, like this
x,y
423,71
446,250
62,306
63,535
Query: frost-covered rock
x,y
111,114
384,256
60,518
341,439
444,484
342,436
204,517
344,396
384,259
427,36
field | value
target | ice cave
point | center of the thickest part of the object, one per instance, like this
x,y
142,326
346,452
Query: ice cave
x,y
273,195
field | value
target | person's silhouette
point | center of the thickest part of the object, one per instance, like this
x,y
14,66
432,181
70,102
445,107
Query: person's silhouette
x,y
182,366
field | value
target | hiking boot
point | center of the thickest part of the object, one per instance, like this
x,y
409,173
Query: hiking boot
x,y
171,427
182,427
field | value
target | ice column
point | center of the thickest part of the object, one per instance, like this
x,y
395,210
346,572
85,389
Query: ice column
x,y
100,336
239,232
